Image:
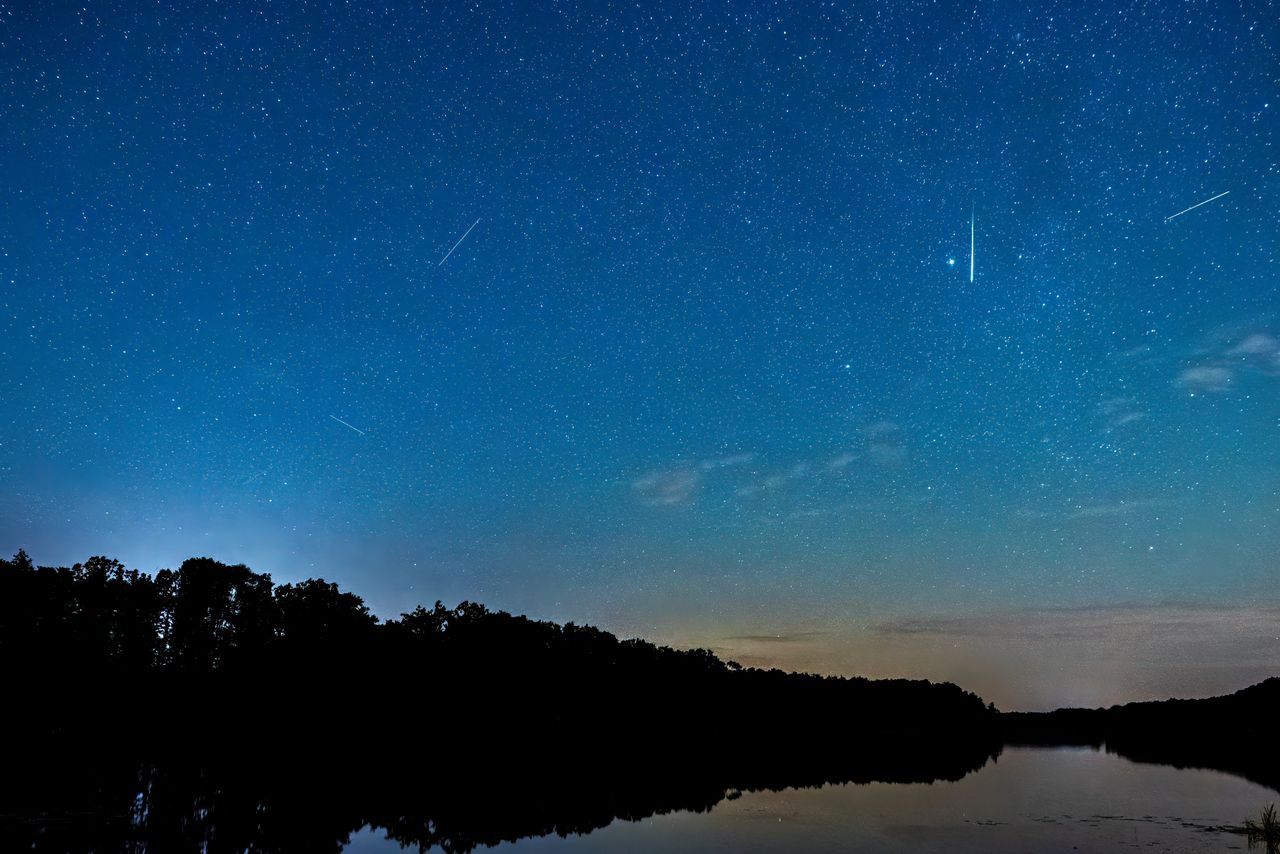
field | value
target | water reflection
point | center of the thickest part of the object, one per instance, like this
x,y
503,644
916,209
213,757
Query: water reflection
x,y
1021,799
292,800
1030,800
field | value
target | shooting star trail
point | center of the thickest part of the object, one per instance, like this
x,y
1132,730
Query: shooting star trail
x,y
971,214
1196,205
345,424
459,243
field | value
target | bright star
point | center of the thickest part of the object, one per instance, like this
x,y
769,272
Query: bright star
x,y
951,262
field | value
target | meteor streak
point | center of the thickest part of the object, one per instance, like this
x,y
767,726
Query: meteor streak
x,y
459,243
1196,205
345,424
971,213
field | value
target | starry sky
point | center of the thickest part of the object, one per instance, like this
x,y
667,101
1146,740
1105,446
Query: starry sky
x,y
708,366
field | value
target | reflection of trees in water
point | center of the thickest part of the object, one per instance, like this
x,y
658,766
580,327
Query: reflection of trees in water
x,y
283,796
293,801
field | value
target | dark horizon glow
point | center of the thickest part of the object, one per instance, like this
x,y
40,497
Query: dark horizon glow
x,y
706,367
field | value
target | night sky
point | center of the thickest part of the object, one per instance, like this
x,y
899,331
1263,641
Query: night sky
x,y
709,368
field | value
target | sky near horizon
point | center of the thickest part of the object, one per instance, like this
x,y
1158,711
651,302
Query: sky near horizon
x,y
659,317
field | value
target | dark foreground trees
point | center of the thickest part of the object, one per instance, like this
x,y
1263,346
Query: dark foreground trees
x,y
208,708
222,647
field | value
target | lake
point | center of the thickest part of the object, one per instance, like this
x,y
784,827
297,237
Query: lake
x,y
1029,799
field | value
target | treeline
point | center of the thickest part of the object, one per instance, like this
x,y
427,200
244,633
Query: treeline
x,y
205,618
1232,733
209,709
224,647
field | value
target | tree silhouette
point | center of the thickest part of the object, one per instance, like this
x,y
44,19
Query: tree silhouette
x,y
206,708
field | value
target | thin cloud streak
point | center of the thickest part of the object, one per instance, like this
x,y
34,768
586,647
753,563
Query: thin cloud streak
x,y
667,488
787,637
1082,622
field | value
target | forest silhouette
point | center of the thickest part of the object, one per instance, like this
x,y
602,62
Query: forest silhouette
x,y
209,708
1233,733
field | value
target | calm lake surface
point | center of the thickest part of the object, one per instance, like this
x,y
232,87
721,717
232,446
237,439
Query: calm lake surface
x,y
1031,799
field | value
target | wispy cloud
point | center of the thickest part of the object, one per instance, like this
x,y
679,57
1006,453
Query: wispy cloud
x,y
1138,351
1118,508
1083,655
879,444
681,482
1206,379
775,481
1032,513
841,461
1126,418
1084,621
726,462
1094,510
785,637
667,488
1231,353
885,446
1117,412
1260,346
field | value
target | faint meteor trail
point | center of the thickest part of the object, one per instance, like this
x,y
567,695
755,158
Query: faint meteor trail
x,y
459,243
345,424
1197,204
971,215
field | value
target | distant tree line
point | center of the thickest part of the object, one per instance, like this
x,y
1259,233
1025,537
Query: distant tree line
x,y
1234,733
216,642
